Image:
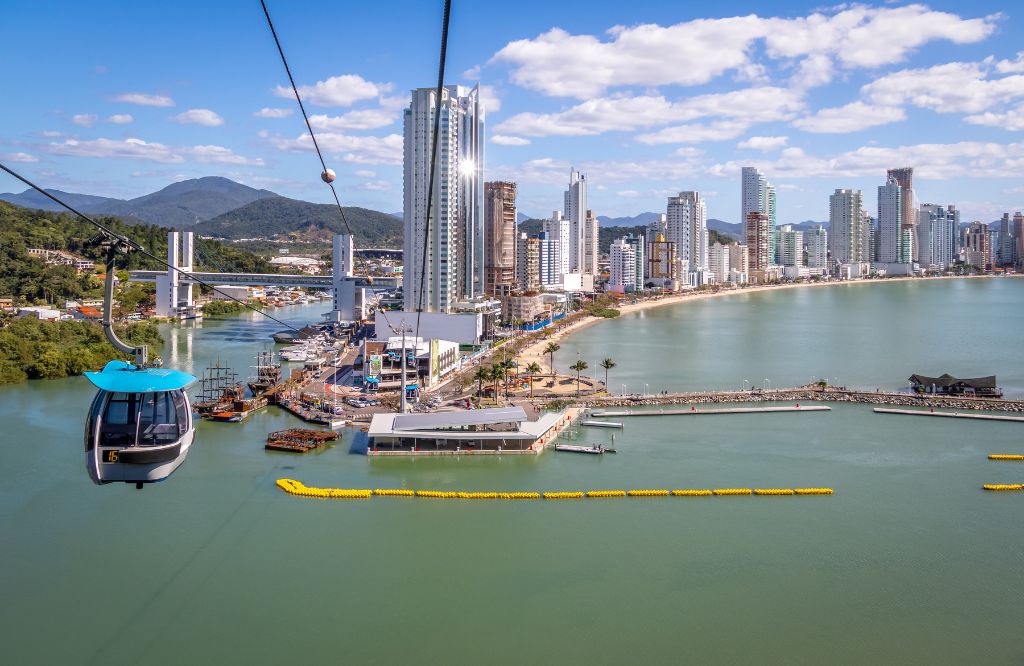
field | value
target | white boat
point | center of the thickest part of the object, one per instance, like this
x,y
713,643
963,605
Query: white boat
x,y
576,448
602,424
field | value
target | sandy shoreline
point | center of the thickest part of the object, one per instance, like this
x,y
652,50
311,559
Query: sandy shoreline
x,y
535,352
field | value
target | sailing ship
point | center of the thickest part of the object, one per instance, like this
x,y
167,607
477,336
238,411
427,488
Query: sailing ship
x,y
268,374
222,397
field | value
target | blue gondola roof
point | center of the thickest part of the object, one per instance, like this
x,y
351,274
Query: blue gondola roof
x,y
124,377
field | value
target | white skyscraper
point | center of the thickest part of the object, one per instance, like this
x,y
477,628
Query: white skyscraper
x,y
549,260
790,246
816,242
846,226
718,262
455,248
758,196
575,212
560,229
890,223
687,221
936,235
622,266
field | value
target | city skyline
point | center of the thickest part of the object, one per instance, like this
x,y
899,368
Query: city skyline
x,y
739,90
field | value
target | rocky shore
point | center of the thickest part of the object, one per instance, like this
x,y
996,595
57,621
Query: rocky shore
x,y
807,394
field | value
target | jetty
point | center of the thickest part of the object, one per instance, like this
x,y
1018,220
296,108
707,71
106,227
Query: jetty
x,y
693,411
583,448
601,424
952,415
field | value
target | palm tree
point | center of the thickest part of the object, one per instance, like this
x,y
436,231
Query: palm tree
x,y
534,369
498,373
550,351
607,364
481,375
579,366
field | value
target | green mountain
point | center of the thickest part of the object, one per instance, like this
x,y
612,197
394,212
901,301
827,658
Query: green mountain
x,y
289,219
179,205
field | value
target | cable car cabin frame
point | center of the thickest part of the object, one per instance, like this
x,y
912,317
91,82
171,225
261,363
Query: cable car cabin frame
x,y
140,426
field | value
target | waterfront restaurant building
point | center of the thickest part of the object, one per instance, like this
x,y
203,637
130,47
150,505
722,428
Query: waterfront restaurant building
x,y
504,429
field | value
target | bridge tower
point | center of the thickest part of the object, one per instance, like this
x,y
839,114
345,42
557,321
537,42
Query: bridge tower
x,y
349,299
173,295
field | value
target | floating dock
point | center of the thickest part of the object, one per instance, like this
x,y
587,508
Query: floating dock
x,y
601,424
717,410
952,415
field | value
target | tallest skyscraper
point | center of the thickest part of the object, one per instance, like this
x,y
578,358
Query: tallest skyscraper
x,y
758,196
904,178
454,268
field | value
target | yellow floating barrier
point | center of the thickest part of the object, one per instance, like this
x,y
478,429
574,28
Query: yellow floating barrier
x,y
394,492
733,491
774,491
1004,456
692,493
1003,486
606,493
575,494
813,491
648,493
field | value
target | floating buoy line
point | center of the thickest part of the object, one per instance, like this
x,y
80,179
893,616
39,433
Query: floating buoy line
x,y
293,487
1005,456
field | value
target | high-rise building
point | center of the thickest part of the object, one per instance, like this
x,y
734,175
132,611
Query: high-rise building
x,y
549,260
718,262
758,195
816,242
591,244
527,262
1003,252
575,211
904,177
661,261
558,228
739,259
977,246
868,232
789,244
687,221
1018,237
454,268
846,226
622,266
499,238
758,237
639,249
936,235
890,223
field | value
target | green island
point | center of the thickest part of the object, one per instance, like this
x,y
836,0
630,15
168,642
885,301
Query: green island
x,y
215,308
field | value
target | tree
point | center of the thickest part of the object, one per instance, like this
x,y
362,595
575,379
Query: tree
x,y
481,375
550,351
533,369
498,373
579,366
607,364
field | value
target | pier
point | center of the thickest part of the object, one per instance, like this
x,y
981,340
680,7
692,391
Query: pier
x,y
951,415
717,410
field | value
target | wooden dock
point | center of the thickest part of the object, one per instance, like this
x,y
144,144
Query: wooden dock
x,y
718,410
952,415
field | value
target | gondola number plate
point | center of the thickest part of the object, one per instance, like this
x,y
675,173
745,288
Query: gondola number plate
x,y
110,455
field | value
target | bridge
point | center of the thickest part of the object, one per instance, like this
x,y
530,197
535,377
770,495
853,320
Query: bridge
x,y
174,296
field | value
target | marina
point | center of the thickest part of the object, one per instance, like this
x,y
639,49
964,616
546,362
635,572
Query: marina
x,y
953,415
693,411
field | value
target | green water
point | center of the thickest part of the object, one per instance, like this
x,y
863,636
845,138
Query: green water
x,y
908,562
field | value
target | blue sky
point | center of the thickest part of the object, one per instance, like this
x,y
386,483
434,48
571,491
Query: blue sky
x,y
648,98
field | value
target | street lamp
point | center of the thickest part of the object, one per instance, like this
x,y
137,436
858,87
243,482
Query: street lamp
x,y
767,384
645,390
623,389
745,382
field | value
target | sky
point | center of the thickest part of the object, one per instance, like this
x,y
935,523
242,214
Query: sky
x,y
646,98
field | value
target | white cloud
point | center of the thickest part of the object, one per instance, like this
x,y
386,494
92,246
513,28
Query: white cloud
x,y
51,133
365,173
144,99
375,186
764,143
356,149
204,117
546,170
20,157
272,112
1012,120
558,63
931,161
954,87
1010,66
343,90
120,119
696,133
849,118
506,140
362,119
753,105
84,119
137,149
629,194
490,99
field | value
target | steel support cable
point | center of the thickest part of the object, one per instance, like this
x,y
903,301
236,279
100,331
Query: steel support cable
x,y
433,160
135,247
312,134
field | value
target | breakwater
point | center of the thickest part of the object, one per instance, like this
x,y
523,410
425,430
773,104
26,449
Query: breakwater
x,y
807,394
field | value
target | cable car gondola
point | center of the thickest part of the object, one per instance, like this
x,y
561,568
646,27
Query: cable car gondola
x,y
140,425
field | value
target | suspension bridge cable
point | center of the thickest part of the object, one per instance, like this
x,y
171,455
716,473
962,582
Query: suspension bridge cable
x,y
433,160
135,247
